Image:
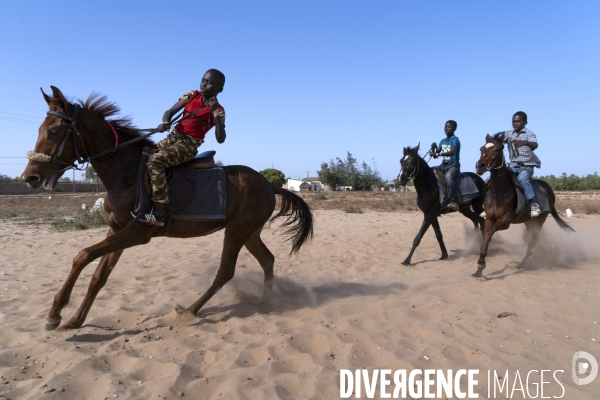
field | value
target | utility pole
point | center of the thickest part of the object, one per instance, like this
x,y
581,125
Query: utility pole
x,y
73,181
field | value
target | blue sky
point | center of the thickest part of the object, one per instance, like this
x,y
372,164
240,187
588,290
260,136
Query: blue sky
x,y
308,81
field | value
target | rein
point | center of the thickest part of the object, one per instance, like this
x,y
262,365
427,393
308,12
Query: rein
x,y
41,157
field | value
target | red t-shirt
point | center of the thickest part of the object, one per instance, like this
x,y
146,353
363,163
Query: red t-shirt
x,y
202,121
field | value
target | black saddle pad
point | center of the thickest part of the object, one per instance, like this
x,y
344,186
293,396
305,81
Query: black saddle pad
x,y
466,193
210,197
540,196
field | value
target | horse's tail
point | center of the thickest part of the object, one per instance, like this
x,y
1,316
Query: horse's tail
x,y
563,225
299,222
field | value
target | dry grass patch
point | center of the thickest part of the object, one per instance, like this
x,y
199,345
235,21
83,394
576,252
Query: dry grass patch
x,y
60,211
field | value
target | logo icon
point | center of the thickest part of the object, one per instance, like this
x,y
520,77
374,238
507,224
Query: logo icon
x,y
579,367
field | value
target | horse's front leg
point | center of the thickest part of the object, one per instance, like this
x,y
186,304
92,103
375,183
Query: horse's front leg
x,y
115,243
424,226
490,227
61,299
440,238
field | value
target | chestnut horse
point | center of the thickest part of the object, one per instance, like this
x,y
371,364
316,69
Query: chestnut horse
x,y
428,198
501,201
79,131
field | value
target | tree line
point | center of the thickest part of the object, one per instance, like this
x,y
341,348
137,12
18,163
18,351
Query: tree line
x,y
572,182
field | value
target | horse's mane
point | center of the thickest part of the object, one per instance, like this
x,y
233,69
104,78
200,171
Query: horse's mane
x,y
103,108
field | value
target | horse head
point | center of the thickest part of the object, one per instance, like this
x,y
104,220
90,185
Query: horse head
x,y
53,152
408,164
491,152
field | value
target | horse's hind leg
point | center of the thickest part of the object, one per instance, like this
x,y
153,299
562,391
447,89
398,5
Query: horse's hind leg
x,y
440,238
265,258
534,226
232,245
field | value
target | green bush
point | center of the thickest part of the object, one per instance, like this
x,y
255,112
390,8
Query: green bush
x,y
320,195
353,210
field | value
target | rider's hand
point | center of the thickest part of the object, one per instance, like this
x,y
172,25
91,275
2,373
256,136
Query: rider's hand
x,y
433,146
213,103
520,143
163,127
433,154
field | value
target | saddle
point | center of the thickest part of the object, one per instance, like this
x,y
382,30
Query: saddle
x,y
467,189
540,195
440,176
181,179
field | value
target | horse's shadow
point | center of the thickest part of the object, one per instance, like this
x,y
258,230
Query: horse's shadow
x,y
98,338
290,296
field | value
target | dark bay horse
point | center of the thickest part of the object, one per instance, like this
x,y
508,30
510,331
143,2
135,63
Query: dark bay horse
x,y
501,201
79,131
428,198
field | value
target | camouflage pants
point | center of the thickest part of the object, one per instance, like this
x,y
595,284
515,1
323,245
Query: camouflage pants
x,y
173,150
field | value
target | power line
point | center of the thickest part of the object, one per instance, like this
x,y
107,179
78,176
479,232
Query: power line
x,y
22,115
20,121
14,117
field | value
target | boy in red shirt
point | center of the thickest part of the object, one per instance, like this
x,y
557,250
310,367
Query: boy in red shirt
x,y
203,111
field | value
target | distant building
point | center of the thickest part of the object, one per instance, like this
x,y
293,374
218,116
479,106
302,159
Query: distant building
x,y
304,185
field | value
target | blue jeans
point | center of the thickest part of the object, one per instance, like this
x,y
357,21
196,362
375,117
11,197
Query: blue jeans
x,y
452,172
524,174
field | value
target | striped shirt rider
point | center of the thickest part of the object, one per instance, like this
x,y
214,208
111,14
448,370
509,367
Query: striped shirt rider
x,y
525,155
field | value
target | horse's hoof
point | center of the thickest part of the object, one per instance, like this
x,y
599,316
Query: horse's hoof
x,y
407,263
50,326
444,257
478,274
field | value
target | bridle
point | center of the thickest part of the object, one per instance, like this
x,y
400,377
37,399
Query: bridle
x,y
75,135
71,132
491,167
414,171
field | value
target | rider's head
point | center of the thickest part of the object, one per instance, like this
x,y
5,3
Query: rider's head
x,y
519,121
212,83
450,127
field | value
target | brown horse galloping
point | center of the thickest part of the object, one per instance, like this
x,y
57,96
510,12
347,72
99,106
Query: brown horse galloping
x,y
250,200
501,202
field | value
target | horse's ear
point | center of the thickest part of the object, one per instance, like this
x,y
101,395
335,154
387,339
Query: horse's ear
x,y
417,148
488,138
405,150
46,97
58,96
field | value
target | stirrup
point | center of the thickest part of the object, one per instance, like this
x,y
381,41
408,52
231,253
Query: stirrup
x,y
150,219
534,210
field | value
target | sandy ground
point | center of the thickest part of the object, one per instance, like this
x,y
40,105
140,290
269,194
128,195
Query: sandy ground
x,y
344,303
